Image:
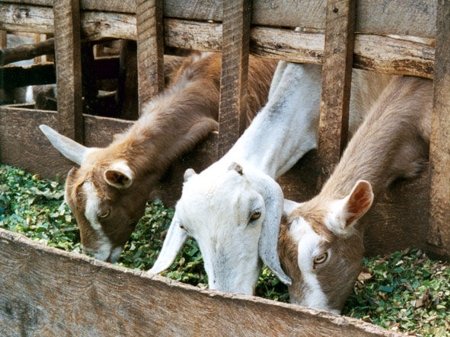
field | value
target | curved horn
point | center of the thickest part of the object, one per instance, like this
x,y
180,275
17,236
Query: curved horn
x,y
268,241
66,146
173,242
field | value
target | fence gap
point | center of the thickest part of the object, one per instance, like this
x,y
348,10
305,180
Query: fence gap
x,y
336,82
439,231
68,68
150,49
233,79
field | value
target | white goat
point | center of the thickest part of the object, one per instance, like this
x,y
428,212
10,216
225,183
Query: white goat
x,y
233,208
321,243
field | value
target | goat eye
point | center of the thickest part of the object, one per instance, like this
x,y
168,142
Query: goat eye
x,y
320,259
255,216
104,214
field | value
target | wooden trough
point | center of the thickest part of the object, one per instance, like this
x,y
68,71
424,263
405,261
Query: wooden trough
x,y
93,298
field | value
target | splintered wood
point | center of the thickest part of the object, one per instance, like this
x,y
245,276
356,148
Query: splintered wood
x,y
336,82
233,82
68,68
439,232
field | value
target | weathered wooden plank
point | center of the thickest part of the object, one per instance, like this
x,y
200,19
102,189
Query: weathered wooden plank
x,y
234,75
439,233
101,299
23,145
3,40
150,49
402,17
378,53
68,68
25,52
336,82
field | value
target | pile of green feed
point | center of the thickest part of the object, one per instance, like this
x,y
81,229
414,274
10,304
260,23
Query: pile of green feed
x,y
404,291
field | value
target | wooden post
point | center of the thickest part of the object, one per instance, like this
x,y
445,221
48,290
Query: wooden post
x,y
150,49
336,82
3,39
68,68
233,80
439,231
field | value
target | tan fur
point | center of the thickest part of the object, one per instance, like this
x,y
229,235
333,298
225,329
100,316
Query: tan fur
x,y
392,143
172,124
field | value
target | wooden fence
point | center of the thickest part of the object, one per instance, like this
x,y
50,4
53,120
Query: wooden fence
x,y
367,34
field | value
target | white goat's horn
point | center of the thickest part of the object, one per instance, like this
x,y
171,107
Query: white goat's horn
x,y
175,239
268,241
66,146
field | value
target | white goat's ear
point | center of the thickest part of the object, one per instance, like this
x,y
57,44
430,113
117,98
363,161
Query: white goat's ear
x,y
188,174
345,212
268,241
66,146
119,175
175,238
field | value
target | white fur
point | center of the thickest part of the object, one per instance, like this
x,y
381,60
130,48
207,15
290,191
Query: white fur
x,y
308,243
92,208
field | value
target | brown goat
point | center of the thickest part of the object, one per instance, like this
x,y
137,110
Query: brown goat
x,y
108,192
320,242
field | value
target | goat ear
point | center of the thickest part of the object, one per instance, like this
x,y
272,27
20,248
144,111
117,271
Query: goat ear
x,y
175,238
119,175
359,201
268,240
188,174
66,146
345,212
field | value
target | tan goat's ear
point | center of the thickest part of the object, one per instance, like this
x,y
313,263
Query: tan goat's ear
x,y
344,213
188,174
119,175
359,201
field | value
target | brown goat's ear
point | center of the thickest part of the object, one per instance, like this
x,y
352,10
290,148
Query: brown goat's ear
x,y
188,174
119,175
344,213
359,201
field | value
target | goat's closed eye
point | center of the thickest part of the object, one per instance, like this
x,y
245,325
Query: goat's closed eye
x,y
104,214
255,216
322,258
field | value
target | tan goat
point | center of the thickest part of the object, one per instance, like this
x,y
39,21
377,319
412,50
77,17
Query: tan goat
x,y
321,242
108,192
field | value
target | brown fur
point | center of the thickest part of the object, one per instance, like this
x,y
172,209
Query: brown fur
x,y
174,122
391,143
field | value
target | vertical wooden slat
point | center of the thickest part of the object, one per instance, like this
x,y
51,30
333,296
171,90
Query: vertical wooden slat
x,y
439,232
3,39
68,68
150,49
233,82
336,81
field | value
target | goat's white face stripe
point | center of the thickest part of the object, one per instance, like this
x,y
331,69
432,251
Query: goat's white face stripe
x,y
92,208
308,247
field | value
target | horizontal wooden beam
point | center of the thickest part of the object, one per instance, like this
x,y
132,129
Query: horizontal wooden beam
x,y
100,299
378,53
400,17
